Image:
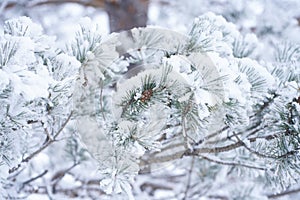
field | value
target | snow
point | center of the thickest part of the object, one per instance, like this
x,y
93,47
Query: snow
x,y
35,69
28,28
4,78
37,197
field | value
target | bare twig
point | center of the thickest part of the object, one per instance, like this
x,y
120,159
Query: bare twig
x,y
217,133
215,197
189,179
61,173
101,101
154,186
63,126
231,163
57,177
69,192
33,179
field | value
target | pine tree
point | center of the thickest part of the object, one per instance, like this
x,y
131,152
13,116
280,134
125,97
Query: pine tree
x,y
147,113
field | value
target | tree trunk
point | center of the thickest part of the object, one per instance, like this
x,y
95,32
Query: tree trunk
x,y
126,14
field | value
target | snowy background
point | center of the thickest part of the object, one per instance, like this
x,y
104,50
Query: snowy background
x,y
269,19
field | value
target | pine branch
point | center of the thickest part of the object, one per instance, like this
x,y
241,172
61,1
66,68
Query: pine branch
x,y
7,51
139,99
195,152
251,150
200,151
49,142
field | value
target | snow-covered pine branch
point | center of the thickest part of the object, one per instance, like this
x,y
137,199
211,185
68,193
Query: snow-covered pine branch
x,y
149,104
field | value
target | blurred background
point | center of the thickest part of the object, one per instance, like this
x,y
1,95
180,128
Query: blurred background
x,y
271,20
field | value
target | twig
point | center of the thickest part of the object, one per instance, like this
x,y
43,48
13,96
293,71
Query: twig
x,y
101,101
217,133
63,126
184,134
33,179
199,151
252,150
216,149
195,152
155,186
218,197
231,163
57,177
61,173
50,141
69,192
289,153
11,177
189,179
288,192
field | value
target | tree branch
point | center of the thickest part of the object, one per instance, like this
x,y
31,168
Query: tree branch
x,y
50,141
33,179
289,153
232,163
195,152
